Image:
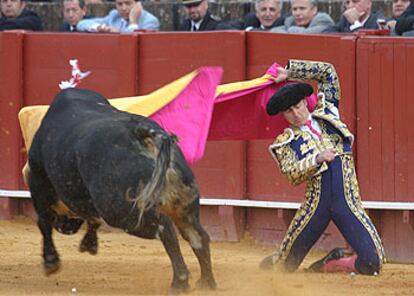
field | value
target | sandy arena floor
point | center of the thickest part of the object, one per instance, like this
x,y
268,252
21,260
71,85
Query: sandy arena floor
x,y
126,265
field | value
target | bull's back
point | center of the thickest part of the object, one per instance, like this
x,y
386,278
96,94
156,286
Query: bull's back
x,y
85,142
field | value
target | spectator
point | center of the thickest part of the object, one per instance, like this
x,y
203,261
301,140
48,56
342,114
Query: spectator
x,y
73,12
305,19
198,16
405,23
15,15
265,17
127,17
357,15
267,14
398,8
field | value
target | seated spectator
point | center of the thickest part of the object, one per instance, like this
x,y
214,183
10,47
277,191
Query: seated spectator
x,y
398,8
128,16
267,14
265,17
73,12
198,16
305,19
405,23
357,15
15,15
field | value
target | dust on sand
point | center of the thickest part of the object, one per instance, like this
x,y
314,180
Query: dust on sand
x,y
126,265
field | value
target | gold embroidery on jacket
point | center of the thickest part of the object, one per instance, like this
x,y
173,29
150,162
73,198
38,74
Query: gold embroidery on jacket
x,y
353,199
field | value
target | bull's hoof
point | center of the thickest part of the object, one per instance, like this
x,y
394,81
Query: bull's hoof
x,y
206,284
51,267
88,246
184,288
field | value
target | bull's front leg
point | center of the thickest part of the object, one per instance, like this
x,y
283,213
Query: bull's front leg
x,y
89,242
169,239
51,261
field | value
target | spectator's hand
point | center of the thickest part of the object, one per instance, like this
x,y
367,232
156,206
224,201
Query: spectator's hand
x,y
282,74
106,29
352,15
135,13
391,24
327,155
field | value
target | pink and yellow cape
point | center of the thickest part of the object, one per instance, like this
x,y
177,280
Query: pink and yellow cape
x,y
196,108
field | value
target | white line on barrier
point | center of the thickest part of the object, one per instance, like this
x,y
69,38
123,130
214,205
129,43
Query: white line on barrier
x,y
15,193
373,205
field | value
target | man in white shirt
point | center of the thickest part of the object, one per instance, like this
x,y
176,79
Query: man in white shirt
x,y
128,16
358,15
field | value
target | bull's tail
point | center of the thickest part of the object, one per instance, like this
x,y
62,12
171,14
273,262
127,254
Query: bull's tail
x,y
151,194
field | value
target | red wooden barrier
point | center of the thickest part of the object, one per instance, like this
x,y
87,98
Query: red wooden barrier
x,y
164,57
112,58
264,179
385,108
10,103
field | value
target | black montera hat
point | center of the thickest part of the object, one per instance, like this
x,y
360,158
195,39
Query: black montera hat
x,y
288,96
191,2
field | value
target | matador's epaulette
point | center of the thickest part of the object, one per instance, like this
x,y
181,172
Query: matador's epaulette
x,y
283,139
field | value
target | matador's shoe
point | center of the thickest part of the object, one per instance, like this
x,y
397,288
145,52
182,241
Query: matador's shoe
x,y
269,261
335,254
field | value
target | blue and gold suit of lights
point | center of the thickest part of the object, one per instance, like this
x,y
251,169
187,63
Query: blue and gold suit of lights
x,y
332,192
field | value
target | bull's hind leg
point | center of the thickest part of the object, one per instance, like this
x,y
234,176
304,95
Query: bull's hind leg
x,y
192,231
89,242
162,227
169,239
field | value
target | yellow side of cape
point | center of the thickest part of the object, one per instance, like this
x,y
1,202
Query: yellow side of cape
x,y
30,117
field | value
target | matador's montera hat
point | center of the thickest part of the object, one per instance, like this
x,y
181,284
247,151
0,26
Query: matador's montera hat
x,y
288,96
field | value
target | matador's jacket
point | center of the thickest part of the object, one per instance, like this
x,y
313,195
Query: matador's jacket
x,y
332,189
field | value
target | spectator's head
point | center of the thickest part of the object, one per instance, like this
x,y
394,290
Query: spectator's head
x,y
73,11
398,7
267,11
12,8
364,7
303,11
124,7
195,9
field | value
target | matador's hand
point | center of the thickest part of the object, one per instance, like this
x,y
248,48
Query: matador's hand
x,y
327,155
282,75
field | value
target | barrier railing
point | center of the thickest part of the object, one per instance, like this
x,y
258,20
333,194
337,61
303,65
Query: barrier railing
x,y
373,205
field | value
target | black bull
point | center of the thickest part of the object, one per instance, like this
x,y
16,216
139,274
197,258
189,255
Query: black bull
x,y
91,162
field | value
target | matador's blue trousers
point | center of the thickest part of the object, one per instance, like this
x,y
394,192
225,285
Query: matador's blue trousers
x,y
340,205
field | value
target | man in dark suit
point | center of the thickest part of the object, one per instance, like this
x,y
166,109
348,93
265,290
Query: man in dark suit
x,y
198,16
405,24
15,15
73,12
358,15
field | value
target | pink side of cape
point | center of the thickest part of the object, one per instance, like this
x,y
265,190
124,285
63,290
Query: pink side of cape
x,y
196,114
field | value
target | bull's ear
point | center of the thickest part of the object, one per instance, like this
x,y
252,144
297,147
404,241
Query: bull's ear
x,y
174,138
